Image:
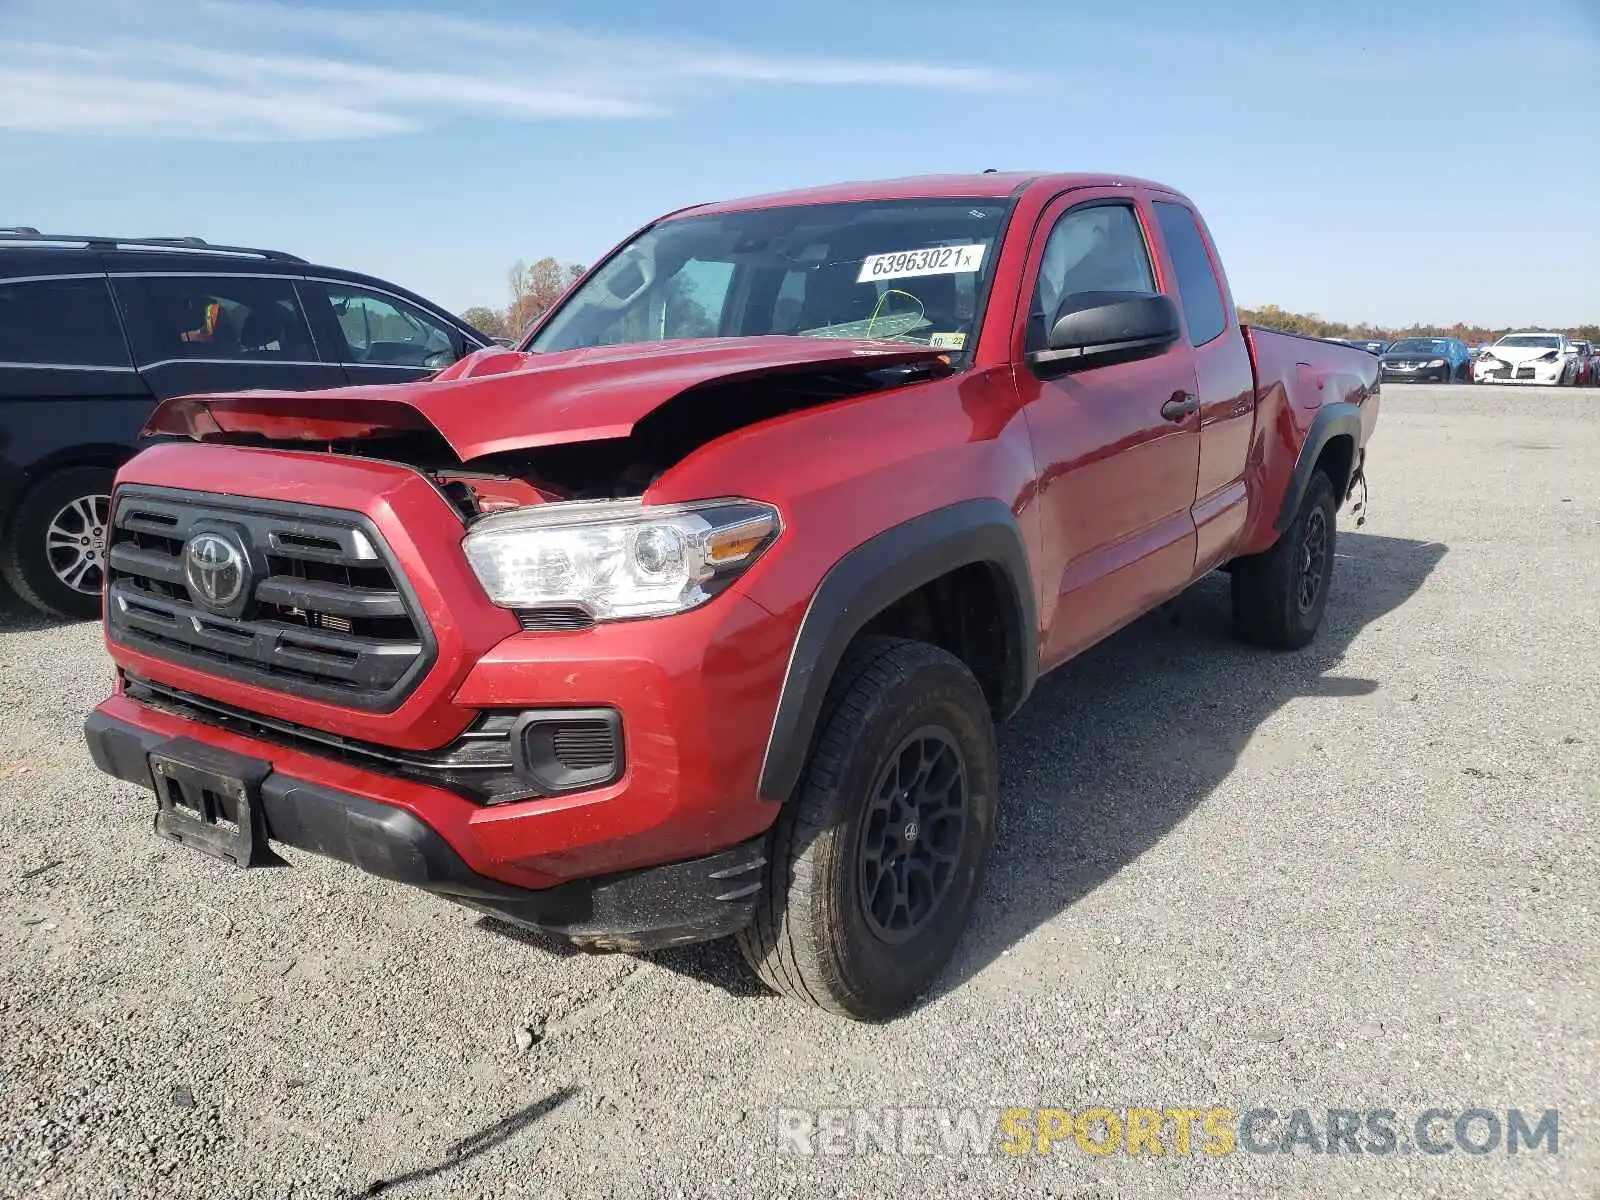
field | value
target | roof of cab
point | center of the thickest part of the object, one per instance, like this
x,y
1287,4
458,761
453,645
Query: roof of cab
x,y
992,185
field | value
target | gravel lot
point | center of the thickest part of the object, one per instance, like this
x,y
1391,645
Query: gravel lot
x,y
1364,876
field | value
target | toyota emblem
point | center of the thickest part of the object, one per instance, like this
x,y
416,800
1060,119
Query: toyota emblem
x,y
214,566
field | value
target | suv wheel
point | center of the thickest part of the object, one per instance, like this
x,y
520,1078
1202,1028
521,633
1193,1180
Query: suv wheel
x,y
54,557
877,861
1279,596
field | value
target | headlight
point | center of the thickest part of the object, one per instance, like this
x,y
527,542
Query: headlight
x,y
1438,362
617,559
1551,356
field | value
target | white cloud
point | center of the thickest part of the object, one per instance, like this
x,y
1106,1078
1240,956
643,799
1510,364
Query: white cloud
x,y
243,70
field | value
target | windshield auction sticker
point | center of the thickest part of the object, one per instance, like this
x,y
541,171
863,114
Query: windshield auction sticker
x,y
937,260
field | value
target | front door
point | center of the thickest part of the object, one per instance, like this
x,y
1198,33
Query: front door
x,y
378,337
1116,477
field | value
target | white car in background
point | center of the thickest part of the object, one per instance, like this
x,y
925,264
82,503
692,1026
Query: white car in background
x,y
1546,358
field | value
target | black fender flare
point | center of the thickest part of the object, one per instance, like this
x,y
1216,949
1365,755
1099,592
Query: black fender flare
x,y
1332,420
868,580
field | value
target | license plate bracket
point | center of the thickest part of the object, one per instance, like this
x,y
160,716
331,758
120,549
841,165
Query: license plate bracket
x,y
210,800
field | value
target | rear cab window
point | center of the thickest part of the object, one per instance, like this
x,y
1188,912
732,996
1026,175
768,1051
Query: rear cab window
x,y
68,322
240,318
1199,294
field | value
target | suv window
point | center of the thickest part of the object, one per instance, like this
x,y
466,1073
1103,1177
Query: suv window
x,y
1095,249
60,322
246,318
384,331
1198,292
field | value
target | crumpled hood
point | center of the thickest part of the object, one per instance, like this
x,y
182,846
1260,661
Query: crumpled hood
x,y
496,400
1518,354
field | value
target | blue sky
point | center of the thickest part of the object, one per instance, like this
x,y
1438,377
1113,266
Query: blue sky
x,y
1386,160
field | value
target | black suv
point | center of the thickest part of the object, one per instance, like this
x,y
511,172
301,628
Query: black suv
x,y
94,331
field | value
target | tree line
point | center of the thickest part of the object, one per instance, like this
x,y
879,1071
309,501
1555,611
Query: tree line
x,y
1312,325
531,289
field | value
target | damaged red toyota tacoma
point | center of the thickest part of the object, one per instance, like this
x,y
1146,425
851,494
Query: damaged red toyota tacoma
x,y
694,615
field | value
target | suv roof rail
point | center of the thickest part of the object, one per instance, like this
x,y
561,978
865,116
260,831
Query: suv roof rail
x,y
26,233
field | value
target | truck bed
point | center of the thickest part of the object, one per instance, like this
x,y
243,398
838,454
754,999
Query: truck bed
x,y
1297,378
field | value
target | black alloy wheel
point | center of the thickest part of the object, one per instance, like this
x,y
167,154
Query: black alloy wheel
x,y
911,835
1313,560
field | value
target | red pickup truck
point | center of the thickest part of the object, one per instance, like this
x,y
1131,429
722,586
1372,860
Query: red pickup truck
x,y
694,616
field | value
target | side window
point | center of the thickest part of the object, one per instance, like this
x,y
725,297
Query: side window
x,y
244,318
384,331
1094,249
60,323
1198,292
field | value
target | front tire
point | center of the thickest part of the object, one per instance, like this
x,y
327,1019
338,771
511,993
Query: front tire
x,y
54,556
1279,595
877,861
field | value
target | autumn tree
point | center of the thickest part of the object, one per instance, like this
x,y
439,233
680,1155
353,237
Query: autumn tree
x,y
535,288
517,314
491,320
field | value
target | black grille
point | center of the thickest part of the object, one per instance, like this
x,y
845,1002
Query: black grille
x,y
326,614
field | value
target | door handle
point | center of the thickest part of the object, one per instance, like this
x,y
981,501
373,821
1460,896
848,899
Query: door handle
x,y
1180,406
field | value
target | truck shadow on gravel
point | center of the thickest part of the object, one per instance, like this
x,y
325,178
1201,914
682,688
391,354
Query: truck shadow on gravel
x,y
1115,749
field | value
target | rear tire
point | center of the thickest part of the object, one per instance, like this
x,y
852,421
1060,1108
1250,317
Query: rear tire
x,y
876,863
54,553
1279,596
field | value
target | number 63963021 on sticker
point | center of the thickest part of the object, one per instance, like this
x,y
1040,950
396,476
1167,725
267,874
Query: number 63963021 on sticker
x,y
936,260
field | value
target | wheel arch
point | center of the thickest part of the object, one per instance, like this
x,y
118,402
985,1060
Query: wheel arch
x,y
1331,445
974,547
108,455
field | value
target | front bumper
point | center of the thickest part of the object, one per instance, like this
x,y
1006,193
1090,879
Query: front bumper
x,y
1390,374
673,904
1540,374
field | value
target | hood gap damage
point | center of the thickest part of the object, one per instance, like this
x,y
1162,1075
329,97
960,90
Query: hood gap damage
x,y
593,468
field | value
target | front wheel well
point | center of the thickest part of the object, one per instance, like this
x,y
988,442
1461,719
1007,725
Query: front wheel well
x,y
968,612
110,458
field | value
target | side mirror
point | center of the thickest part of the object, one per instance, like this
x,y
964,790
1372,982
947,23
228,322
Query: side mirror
x,y
1096,328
